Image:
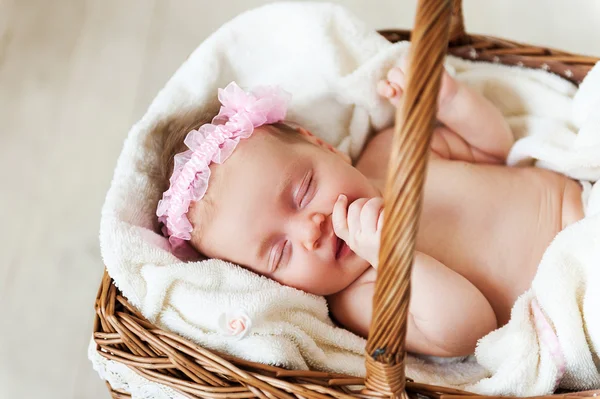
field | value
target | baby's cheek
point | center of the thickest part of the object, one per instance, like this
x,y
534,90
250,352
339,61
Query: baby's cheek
x,y
359,185
312,276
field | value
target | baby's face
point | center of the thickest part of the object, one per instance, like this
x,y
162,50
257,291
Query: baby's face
x,y
272,213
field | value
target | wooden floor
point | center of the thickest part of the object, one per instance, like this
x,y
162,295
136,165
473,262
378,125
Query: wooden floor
x,y
74,76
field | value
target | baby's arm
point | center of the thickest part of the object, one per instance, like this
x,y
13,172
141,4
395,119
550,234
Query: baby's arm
x,y
447,314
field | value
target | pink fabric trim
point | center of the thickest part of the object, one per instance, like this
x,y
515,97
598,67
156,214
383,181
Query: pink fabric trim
x,y
548,337
241,112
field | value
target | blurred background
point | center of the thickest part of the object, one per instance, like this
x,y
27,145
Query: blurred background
x,y
74,76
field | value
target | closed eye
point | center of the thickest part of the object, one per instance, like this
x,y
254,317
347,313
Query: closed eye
x,y
280,254
307,192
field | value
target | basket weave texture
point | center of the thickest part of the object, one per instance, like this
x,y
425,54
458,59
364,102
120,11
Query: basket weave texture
x,y
123,335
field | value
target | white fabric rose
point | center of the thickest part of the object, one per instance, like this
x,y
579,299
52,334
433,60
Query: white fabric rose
x,y
235,323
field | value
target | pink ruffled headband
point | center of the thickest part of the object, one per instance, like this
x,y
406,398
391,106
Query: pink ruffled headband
x,y
241,112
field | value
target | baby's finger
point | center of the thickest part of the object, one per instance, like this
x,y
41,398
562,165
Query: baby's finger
x,y
369,215
354,216
339,217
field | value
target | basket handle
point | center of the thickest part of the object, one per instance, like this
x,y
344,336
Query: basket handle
x,y
457,25
403,198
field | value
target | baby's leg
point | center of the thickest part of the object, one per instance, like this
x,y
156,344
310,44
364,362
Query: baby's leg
x,y
462,110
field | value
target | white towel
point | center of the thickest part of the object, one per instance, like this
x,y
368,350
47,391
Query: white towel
x,y
330,62
571,147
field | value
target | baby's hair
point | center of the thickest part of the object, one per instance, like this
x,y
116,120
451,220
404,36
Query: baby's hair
x,y
166,140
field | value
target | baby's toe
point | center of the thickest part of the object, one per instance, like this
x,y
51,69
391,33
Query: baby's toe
x,y
384,89
390,91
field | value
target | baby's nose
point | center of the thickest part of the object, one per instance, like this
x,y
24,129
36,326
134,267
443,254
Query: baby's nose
x,y
313,231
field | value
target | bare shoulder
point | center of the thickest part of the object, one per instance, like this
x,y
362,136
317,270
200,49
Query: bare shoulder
x,y
352,307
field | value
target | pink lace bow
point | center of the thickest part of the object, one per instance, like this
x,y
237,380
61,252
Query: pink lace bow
x,y
241,112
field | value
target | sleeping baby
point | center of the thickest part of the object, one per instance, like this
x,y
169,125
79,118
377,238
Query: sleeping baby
x,y
249,187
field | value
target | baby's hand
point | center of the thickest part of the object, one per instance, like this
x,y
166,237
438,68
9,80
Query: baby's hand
x,y
360,225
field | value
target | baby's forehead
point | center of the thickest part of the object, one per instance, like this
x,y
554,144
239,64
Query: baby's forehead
x,y
267,147
245,183
263,160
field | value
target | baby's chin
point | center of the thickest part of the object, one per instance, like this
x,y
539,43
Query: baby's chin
x,y
353,272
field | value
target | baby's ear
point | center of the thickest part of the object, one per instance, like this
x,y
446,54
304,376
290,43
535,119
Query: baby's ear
x,y
322,143
187,253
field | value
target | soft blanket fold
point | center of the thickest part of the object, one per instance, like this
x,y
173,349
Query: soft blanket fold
x,y
330,62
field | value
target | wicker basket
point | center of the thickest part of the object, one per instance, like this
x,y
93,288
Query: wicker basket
x,y
122,334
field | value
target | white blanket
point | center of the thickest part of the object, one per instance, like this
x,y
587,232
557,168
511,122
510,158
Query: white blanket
x,y
330,62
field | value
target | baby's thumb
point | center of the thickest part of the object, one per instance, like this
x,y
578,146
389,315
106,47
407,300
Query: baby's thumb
x,y
339,230
339,221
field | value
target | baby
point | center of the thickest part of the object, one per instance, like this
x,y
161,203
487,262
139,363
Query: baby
x,y
263,193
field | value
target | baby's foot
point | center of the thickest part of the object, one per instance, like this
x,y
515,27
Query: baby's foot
x,y
393,88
